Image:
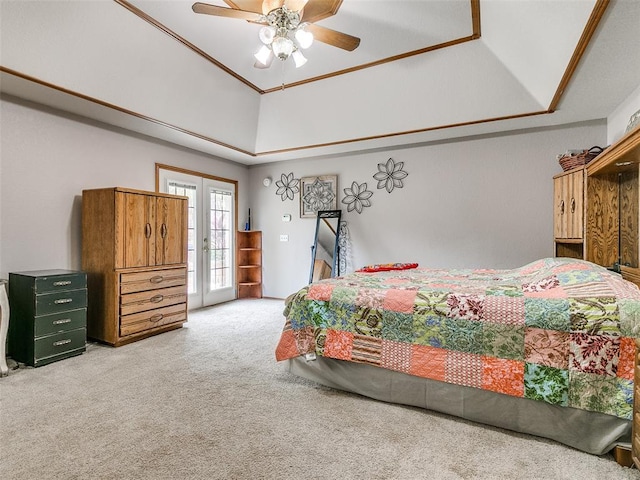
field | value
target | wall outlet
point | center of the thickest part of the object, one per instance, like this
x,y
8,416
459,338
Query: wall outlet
x,y
284,238
286,218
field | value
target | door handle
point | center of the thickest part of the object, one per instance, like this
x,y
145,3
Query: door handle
x,y
205,245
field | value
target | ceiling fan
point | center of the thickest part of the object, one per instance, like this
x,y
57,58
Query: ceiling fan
x,y
288,26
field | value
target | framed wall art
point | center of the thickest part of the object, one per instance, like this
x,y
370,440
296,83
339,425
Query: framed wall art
x,y
318,193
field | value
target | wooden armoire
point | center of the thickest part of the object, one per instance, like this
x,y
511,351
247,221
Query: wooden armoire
x,y
134,251
613,232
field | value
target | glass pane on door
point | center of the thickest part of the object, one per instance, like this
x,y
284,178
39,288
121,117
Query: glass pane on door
x,y
221,248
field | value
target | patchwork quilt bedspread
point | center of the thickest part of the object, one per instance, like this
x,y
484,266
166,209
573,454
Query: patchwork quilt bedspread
x,y
556,330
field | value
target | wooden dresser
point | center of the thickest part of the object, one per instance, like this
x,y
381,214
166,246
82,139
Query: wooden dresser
x,y
48,315
134,250
613,229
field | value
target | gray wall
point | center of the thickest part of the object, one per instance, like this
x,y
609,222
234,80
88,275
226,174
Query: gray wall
x,y
483,202
618,121
47,159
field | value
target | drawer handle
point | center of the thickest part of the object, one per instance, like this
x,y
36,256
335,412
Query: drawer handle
x,y
63,300
62,283
61,342
156,279
62,321
156,318
156,298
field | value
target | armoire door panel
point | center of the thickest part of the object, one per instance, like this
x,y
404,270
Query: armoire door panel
x,y
576,205
170,231
137,231
558,207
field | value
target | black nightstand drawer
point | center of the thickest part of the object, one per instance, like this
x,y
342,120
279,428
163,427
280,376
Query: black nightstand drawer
x,y
49,303
59,344
56,283
60,322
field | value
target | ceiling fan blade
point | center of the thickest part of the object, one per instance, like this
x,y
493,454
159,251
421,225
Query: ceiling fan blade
x,y
207,9
268,5
316,10
295,5
332,37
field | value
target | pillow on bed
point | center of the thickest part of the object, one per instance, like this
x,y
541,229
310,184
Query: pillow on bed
x,y
385,267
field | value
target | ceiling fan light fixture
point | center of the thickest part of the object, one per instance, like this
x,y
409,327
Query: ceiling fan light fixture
x,y
299,58
282,30
267,34
304,37
263,55
282,47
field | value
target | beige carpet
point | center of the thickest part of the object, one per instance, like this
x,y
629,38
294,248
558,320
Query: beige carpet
x,y
209,401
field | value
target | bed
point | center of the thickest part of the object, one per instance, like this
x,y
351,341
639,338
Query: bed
x,y
545,349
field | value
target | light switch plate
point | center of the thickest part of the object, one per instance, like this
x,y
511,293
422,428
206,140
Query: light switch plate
x,y
284,238
286,218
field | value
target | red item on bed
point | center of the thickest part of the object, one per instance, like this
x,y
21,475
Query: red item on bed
x,y
386,267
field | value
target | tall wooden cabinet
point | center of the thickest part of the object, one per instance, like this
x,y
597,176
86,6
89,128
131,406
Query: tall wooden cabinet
x,y
249,261
569,213
134,251
613,229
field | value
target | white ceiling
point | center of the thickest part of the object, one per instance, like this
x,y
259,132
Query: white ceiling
x,y
157,68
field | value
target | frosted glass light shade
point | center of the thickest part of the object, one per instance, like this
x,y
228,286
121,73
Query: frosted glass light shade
x,y
299,58
304,37
282,47
263,55
267,34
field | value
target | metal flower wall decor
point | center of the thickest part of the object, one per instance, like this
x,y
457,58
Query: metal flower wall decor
x,y
287,186
357,197
320,192
390,175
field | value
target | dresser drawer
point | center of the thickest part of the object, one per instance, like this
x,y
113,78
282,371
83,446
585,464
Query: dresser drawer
x,y
60,301
60,322
152,280
57,283
139,322
150,300
60,343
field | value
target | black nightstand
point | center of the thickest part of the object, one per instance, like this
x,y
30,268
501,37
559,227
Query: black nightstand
x,y
48,319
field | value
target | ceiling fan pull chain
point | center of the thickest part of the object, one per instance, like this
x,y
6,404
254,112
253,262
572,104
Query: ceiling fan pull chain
x,y
282,75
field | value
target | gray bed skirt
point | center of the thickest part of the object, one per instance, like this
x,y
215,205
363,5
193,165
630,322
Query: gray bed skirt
x,y
591,432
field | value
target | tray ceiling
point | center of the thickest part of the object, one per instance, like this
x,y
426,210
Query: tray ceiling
x,y
424,71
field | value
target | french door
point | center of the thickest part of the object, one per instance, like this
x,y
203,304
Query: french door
x,y
211,236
